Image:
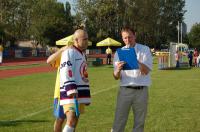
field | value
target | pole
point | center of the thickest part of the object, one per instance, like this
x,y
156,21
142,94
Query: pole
x,y
178,32
181,32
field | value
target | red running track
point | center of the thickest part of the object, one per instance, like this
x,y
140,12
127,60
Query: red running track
x,y
29,61
25,71
23,61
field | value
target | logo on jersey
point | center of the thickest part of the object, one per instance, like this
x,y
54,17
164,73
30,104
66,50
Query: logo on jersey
x,y
68,63
70,73
83,72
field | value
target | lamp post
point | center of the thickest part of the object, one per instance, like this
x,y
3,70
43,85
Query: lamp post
x,y
181,32
178,31
180,26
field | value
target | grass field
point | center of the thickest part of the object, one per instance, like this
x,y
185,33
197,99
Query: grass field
x,y
22,66
174,103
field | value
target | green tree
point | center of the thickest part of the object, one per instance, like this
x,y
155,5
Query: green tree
x,y
171,12
194,35
9,17
154,20
45,21
100,17
50,21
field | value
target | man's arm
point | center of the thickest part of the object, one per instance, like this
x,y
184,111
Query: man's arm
x,y
146,65
52,58
143,69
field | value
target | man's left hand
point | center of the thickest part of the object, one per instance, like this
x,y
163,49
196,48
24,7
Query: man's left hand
x,y
143,69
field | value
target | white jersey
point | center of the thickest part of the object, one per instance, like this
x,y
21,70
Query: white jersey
x,y
74,77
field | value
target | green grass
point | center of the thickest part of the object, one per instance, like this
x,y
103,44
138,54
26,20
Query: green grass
x,y
22,66
174,96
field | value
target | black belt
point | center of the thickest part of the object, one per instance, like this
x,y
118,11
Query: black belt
x,y
135,87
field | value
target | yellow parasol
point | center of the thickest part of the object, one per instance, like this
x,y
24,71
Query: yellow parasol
x,y
109,42
69,41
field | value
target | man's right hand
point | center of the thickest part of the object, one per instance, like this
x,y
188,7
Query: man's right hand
x,y
119,67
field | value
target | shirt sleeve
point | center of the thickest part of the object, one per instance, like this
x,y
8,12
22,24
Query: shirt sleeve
x,y
67,74
115,60
147,58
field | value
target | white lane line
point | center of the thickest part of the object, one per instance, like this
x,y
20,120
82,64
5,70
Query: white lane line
x,y
46,109
32,114
104,90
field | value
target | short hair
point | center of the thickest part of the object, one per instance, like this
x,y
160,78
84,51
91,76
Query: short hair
x,y
127,29
78,31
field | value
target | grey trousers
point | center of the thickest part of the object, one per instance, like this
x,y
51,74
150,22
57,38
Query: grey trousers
x,y
136,99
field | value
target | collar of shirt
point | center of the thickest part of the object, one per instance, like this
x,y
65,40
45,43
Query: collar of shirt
x,y
129,46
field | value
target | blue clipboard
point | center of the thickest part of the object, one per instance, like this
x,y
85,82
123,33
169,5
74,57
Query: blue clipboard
x,y
129,56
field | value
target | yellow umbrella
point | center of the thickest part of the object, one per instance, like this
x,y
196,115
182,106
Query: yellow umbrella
x,y
109,42
65,41
69,41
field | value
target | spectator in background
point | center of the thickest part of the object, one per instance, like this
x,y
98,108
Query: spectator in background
x,y
195,57
177,58
109,55
1,53
190,58
198,61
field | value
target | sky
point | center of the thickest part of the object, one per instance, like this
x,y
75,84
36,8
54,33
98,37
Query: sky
x,y
191,16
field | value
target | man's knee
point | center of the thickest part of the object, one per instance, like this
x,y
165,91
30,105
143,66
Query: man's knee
x,y
58,125
71,122
71,119
59,121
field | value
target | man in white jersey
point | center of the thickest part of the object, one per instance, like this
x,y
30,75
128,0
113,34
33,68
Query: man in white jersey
x,y
74,79
133,91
